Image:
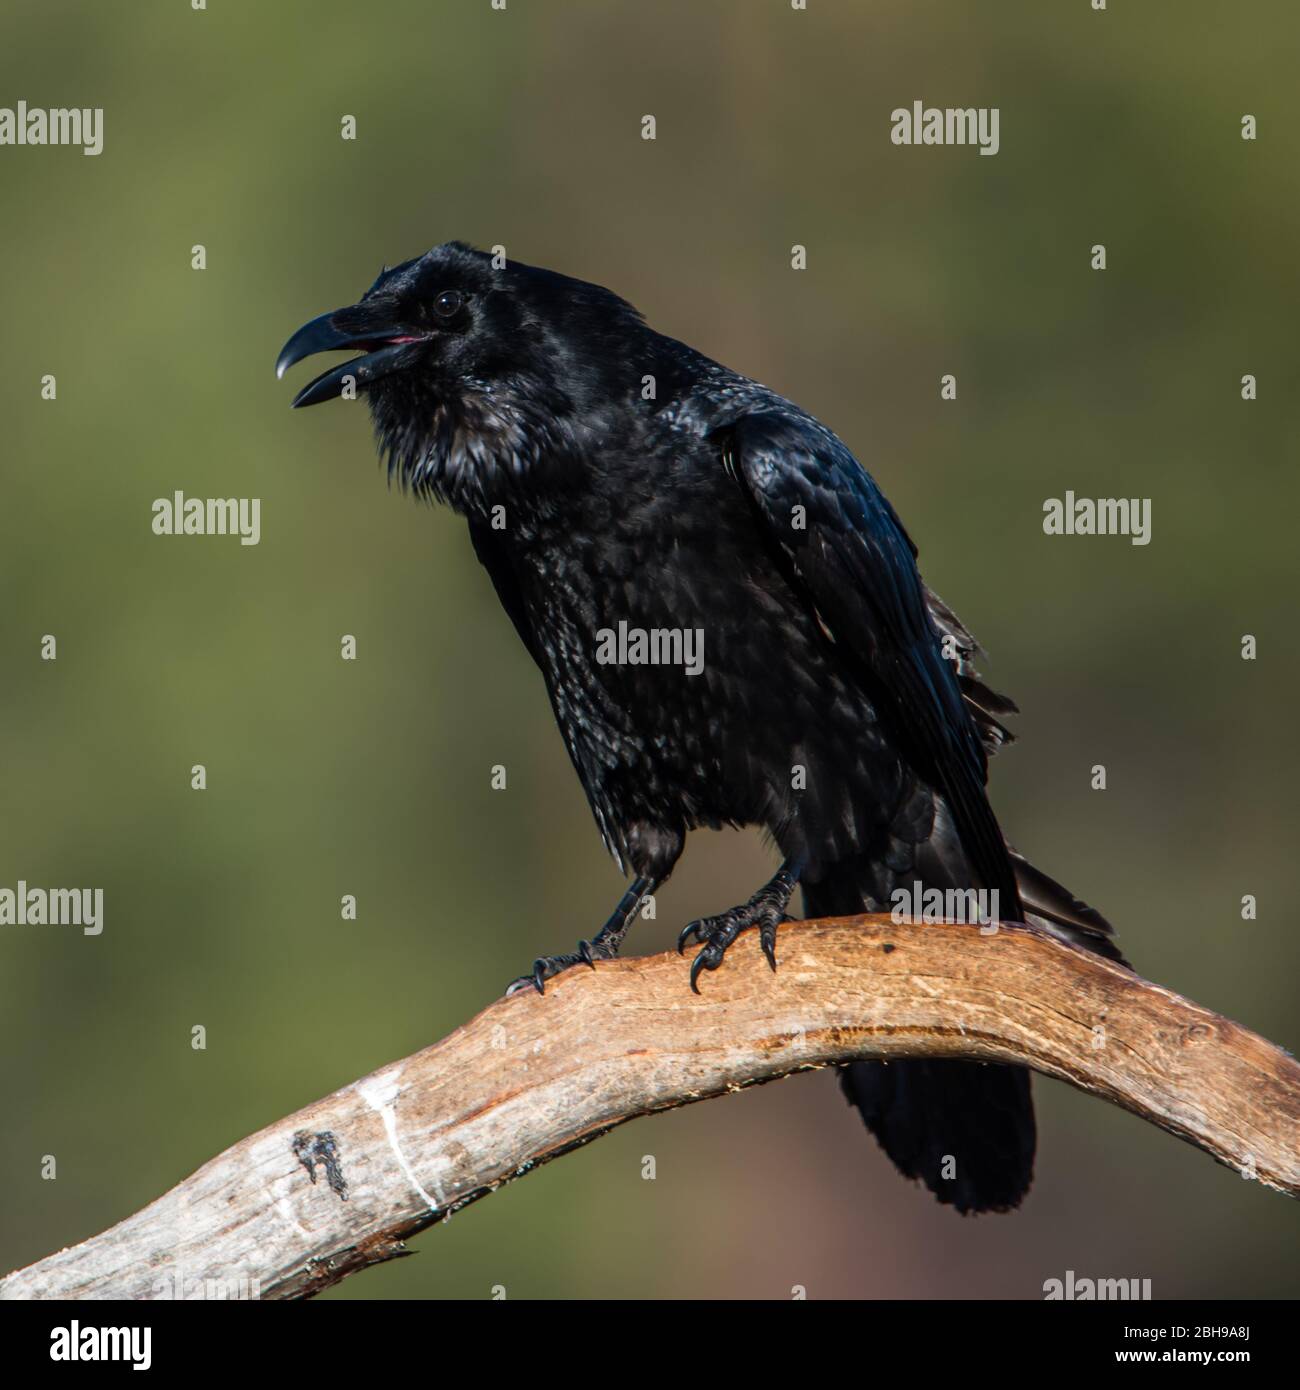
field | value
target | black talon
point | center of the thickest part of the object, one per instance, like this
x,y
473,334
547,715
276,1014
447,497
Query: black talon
x,y
765,910
604,946
767,939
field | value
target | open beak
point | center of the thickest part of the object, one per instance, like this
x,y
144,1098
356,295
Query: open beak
x,y
385,348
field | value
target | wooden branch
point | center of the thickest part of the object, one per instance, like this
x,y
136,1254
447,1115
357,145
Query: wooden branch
x,y
341,1184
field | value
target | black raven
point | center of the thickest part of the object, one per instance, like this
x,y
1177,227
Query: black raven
x,y
732,630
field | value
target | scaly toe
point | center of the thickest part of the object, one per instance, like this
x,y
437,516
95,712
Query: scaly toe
x,y
547,968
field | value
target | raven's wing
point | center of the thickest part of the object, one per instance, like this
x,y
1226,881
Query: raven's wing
x,y
986,706
845,550
494,559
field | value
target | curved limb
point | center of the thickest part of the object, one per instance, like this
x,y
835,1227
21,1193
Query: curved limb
x,y
603,946
766,910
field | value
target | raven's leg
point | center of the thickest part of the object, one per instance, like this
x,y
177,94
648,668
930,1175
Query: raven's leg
x,y
765,910
603,946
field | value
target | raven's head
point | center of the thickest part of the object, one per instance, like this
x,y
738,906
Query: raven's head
x,y
475,370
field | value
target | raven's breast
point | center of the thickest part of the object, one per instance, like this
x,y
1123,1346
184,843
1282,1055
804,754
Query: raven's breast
x,y
692,684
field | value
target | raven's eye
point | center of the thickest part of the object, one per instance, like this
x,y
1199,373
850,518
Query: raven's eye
x,y
448,302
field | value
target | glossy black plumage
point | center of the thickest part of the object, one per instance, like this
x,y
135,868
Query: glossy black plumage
x,y
610,474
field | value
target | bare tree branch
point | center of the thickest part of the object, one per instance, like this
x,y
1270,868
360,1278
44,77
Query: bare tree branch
x,y
341,1184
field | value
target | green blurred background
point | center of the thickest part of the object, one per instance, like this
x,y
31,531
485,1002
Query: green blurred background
x,y
522,128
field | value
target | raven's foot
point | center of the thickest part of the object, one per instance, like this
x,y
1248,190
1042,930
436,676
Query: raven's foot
x,y
765,910
548,967
603,946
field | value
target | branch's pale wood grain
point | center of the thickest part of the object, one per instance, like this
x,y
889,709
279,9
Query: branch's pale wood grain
x,y
533,1077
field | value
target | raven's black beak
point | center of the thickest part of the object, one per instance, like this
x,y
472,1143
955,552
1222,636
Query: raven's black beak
x,y
385,348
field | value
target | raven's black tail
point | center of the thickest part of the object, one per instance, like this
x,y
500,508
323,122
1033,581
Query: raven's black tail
x,y
964,1129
